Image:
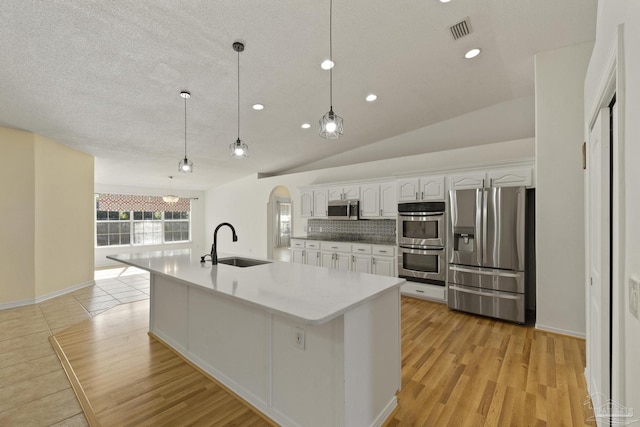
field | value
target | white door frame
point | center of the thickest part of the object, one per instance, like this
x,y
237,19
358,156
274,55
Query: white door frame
x,y
612,83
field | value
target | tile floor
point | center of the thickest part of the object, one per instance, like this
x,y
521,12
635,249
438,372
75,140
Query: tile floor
x,y
34,390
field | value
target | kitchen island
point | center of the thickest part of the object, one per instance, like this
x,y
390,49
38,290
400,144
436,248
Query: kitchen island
x,y
307,346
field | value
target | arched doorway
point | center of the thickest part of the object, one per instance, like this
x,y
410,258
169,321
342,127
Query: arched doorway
x,y
279,224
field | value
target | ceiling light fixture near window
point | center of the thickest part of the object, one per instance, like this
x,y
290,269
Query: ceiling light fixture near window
x,y
239,150
445,1
305,126
331,126
185,165
371,97
472,53
327,64
258,107
170,198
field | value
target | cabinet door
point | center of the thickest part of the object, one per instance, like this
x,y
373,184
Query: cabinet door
x,y
510,177
432,188
306,204
408,189
467,180
297,256
388,200
351,192
384,266
326,259
370,201
320,204
361,263
343,262
335,193
313,257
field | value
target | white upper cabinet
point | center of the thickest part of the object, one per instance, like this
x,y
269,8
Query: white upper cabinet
x,y
320,204
351,192
313,203
466,180
378,200
493,178
510,177
306,203
424,188
388,200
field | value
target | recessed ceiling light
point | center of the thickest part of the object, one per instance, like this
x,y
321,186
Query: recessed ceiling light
x,y
472,53
445,1
258,107
305,126
327,64
371,97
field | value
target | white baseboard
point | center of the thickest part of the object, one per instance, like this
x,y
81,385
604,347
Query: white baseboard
x,y
30,301
386,412
561,331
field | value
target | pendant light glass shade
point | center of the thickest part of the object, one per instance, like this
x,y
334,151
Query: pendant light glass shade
x,y
185,165
331,124
239,150
170,198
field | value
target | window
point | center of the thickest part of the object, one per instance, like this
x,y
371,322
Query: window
x,y
140,227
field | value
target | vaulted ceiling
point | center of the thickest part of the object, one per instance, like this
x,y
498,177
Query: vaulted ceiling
x,y
105,77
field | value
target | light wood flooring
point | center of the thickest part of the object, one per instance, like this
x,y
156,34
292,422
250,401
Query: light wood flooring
x,y
458,370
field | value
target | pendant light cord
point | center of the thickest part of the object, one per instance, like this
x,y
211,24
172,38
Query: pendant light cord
x,y
238,94
331,54
185,127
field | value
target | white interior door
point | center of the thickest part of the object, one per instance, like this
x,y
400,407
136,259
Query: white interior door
x,y
598,292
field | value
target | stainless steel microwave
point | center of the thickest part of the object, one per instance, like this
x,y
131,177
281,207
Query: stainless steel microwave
x,y
343,209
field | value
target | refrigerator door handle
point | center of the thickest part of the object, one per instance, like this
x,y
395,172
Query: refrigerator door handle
x,y
481,212
485,294
485,273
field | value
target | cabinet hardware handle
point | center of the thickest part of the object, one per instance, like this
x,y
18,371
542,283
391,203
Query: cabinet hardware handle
x,y
361,249
311,213
384,252
373,260
380,212
334,247
420,290
416,195
360,212
422,195
483,182
490,182
353,258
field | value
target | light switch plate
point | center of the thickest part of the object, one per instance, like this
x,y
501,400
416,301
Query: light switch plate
x,y
634,294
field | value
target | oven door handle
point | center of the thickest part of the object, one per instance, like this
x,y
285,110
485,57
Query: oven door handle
x,y
422,248
419,214
484,294
485,273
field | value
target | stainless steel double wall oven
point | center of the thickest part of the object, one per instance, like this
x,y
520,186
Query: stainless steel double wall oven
x,y
421,242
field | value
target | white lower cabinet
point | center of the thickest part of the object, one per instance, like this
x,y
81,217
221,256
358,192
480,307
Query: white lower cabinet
x,y
425,291
363,258
361,263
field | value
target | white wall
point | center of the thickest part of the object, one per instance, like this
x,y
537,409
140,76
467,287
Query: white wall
x,y
198,242
560,240
243,203
612,13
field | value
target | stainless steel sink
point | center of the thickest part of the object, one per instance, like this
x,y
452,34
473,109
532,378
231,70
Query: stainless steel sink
x,y
242,262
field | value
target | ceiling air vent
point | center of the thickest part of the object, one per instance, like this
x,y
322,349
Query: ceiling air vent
x,y
460,29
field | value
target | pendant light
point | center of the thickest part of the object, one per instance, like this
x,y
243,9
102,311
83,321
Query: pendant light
x,y
331,123
239,150
185,165
170,198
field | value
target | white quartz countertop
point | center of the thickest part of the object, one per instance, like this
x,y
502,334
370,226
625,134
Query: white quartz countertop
x,y
308,294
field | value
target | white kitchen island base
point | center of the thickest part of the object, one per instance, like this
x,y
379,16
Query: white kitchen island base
x,y
307,346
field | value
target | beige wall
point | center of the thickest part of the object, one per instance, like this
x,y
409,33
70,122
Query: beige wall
x,y
64,216
47,226
560,189
17,204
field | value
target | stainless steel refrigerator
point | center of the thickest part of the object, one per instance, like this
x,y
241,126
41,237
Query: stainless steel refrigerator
x,y
487,252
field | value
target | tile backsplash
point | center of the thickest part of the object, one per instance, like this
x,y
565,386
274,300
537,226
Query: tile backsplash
x,y
378,229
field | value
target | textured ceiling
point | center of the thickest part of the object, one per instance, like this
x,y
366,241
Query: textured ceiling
x,y
104,77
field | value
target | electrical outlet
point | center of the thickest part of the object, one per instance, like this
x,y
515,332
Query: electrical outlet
x,y
300,338
634,296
